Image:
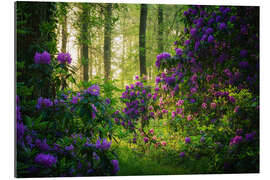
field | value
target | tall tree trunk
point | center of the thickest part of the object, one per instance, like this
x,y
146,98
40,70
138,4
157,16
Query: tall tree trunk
x,y
142,50
64,35
160,29
107,41
85,45
91,64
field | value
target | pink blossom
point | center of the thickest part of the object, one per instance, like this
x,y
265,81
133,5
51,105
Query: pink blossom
x,y
146,139
154,138
179,110
180,102
189,117
173,114
213,105
163,143
151,131
164,111
236,109
204,105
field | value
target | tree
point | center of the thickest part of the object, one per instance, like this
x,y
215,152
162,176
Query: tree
x,y
160,29
35,32
142,50
85,44
63,9
107,41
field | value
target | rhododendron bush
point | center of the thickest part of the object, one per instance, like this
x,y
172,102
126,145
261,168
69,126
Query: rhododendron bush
x,y
211,86
67,134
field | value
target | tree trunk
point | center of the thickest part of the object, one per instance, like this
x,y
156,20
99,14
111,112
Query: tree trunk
x,y
64,35
160,29
107,41
142,50
85,45
91,64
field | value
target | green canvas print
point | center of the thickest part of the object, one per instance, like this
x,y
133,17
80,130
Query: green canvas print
x,y
115,89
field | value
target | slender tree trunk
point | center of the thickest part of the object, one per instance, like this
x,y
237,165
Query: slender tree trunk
x,y
64,35
107,41
85,58
91,64
160,29
142,50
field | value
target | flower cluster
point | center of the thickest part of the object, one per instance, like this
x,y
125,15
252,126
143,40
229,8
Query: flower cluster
x,y
42,58
236,140
103,144
64,58
45,159
162,56
44,102
93,90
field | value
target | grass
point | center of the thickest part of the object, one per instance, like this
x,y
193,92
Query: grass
x,y
132,162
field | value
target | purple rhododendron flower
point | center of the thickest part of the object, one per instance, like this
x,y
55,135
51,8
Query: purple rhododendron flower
x,y
45,159
202,139
236,140
243,64
146,139
170,80
233,18
209,31
94,90
231,99
42,145
250,136
158,79
197,44
187,42
103,144
243,53
20,131
204,37
94,110
115,166
161,56
182,154
29,141
178,51
210,38
187,140
43,58
222,26
43,102
239,132
69,148
211,20
108,101
64,57
74,100
218,18
193,31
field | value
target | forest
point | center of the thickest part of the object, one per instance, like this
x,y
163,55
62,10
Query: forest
x,y
111,89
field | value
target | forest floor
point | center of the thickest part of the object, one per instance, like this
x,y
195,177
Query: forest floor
x,y
132,162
